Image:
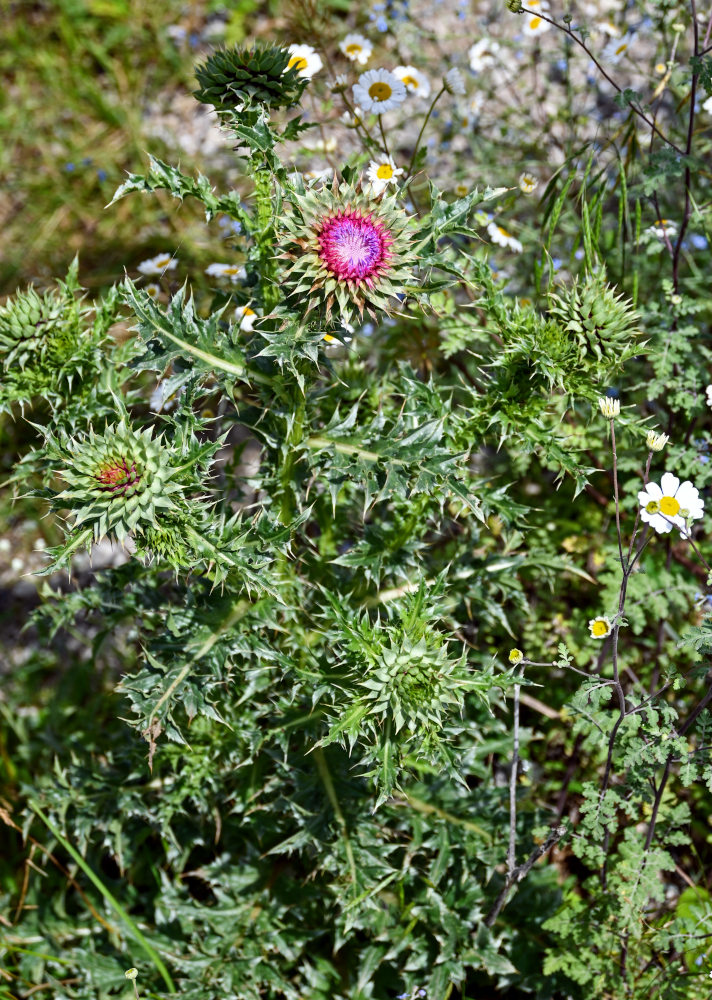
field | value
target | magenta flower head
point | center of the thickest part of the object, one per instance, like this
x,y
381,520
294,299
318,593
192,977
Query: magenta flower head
x,y
348,250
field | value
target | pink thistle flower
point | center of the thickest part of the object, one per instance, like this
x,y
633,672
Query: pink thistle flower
x,y
355,246
349,250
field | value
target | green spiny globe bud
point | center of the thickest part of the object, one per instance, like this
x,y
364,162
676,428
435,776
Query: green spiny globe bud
x,y
515,6
29,325
414,683
600,322
117,481
264,75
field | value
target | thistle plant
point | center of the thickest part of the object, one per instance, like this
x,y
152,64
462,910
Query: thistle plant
x,y
395,680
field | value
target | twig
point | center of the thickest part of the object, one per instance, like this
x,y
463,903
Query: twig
x,y
522,871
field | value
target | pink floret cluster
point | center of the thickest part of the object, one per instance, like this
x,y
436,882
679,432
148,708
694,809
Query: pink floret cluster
x,y
354,246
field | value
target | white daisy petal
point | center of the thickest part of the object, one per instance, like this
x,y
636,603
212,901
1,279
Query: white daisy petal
x,y
669,484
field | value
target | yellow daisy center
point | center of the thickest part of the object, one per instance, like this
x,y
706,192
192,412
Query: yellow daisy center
x,y
534,23
504,233
163,261
384,172
599,628
232,270
298,63
410,81
248,312
621,48
379,91
669,506
353,49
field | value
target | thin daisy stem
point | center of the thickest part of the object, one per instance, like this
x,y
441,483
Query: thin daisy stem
x,y
422,129
512,847
615,491
383,135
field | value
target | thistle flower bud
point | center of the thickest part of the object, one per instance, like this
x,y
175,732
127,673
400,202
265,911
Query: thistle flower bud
x,y
610,408
656,442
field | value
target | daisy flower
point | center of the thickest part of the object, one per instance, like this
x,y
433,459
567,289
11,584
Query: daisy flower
x,y
454,83
484,54
662,228
232,271
671,504
707,106
379,90
527,183
153,290
534,24
331,341
305,60
416,82
159,264
600,627
247,318
708,391
356,48
502,238
353,118
383,171
617,48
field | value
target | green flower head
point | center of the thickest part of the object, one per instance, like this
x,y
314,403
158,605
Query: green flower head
x,y
348,250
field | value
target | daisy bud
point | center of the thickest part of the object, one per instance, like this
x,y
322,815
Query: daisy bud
x,y
516,656
656,442
454,82
610,408
131,973
515,6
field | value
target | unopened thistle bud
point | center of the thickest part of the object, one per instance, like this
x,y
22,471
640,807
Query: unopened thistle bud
x,y
656,442
610,408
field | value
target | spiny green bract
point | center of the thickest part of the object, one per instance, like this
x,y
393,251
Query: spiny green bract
x,y
231,77
602,323
117,481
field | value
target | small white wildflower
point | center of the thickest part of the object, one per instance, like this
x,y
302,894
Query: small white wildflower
x,y
707,106
247,317
662,228
416,82
600,627
158,265
353,119
235,272
356,48
670,505
454,82
655,441
708,391
528,183
382,171
534,24
340,83
610,407
502,238
305,59
484,54
379,90
152,289
617,48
